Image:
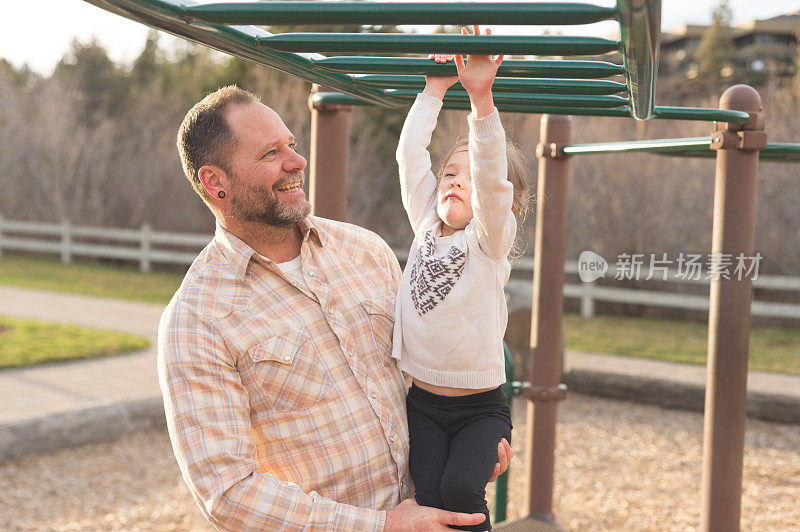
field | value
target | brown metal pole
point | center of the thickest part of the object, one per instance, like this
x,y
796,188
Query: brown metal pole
x,y
330,149
729,312
546,337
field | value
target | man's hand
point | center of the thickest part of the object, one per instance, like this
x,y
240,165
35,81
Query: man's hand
x,y
477,77
504,456
437,86
408,516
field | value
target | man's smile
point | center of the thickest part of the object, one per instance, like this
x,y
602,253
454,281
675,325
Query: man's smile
x,y
293,186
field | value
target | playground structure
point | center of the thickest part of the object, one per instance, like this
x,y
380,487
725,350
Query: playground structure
x,y
556,89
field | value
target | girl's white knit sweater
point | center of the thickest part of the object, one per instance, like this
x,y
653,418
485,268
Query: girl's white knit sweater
x,y
451,311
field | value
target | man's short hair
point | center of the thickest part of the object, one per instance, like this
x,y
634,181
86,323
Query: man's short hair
x,y
205,137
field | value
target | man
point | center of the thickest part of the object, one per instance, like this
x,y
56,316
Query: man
x,y
284,406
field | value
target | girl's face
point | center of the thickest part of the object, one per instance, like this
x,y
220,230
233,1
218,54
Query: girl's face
x,y
454,195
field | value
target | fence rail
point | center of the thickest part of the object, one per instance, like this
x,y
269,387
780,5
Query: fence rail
x,y
146,247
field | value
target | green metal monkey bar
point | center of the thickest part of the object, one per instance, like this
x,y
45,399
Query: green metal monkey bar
x,y
552,86
510,67
228,27
537,86
301,12
688,147
423,44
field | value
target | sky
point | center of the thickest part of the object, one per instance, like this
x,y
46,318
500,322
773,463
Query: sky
x,y
39,32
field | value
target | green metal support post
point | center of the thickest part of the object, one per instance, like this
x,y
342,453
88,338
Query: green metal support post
x,y
501,483
640,34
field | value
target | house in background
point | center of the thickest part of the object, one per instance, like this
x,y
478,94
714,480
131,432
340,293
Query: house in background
x,y
761,49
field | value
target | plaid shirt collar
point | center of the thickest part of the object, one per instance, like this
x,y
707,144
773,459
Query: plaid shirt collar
x,y
238,254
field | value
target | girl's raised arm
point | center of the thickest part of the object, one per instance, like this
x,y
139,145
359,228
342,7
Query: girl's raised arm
x,y
417,182
492,192
477,77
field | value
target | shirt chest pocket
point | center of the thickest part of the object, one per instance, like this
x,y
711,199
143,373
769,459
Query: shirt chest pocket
x,y
288,371
380,313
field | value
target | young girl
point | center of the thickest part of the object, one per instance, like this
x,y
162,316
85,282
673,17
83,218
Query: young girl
x,y
451,311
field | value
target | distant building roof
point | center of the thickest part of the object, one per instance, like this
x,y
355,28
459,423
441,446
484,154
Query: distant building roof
x,y
684,31
781,24
786,23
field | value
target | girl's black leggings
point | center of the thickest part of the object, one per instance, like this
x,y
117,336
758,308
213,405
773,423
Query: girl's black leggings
x,y
454,448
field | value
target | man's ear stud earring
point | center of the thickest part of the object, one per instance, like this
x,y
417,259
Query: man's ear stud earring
x,y
221,194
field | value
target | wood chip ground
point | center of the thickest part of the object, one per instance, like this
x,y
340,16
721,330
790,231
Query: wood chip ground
x,y
620,466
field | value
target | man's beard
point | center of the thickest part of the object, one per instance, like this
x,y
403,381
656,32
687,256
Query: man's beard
x,y
260,203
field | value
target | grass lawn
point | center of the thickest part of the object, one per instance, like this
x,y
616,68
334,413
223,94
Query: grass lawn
x,y
29,342
121,282
771,348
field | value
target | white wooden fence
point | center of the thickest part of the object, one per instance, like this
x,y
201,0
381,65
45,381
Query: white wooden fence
x,y
146,247
68,240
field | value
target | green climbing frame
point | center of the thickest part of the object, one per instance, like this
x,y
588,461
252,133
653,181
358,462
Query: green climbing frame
x,y
554,86
229,27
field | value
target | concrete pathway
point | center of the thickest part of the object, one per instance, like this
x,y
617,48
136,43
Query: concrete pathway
x,y
757,381
58,405
51,388
770,396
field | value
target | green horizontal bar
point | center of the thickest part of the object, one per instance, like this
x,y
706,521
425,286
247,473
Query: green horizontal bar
x,y
660,145
664,113
557,100
540,86
685,147
509,68
781,152
336,98
693,113
619,112
298,13
773,153
437,43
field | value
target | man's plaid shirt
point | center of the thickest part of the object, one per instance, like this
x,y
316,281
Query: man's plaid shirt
x,y
284,407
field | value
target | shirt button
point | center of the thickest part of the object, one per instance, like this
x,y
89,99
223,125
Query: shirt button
x,y
287,358
391,439
332,310
373,395
311,273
